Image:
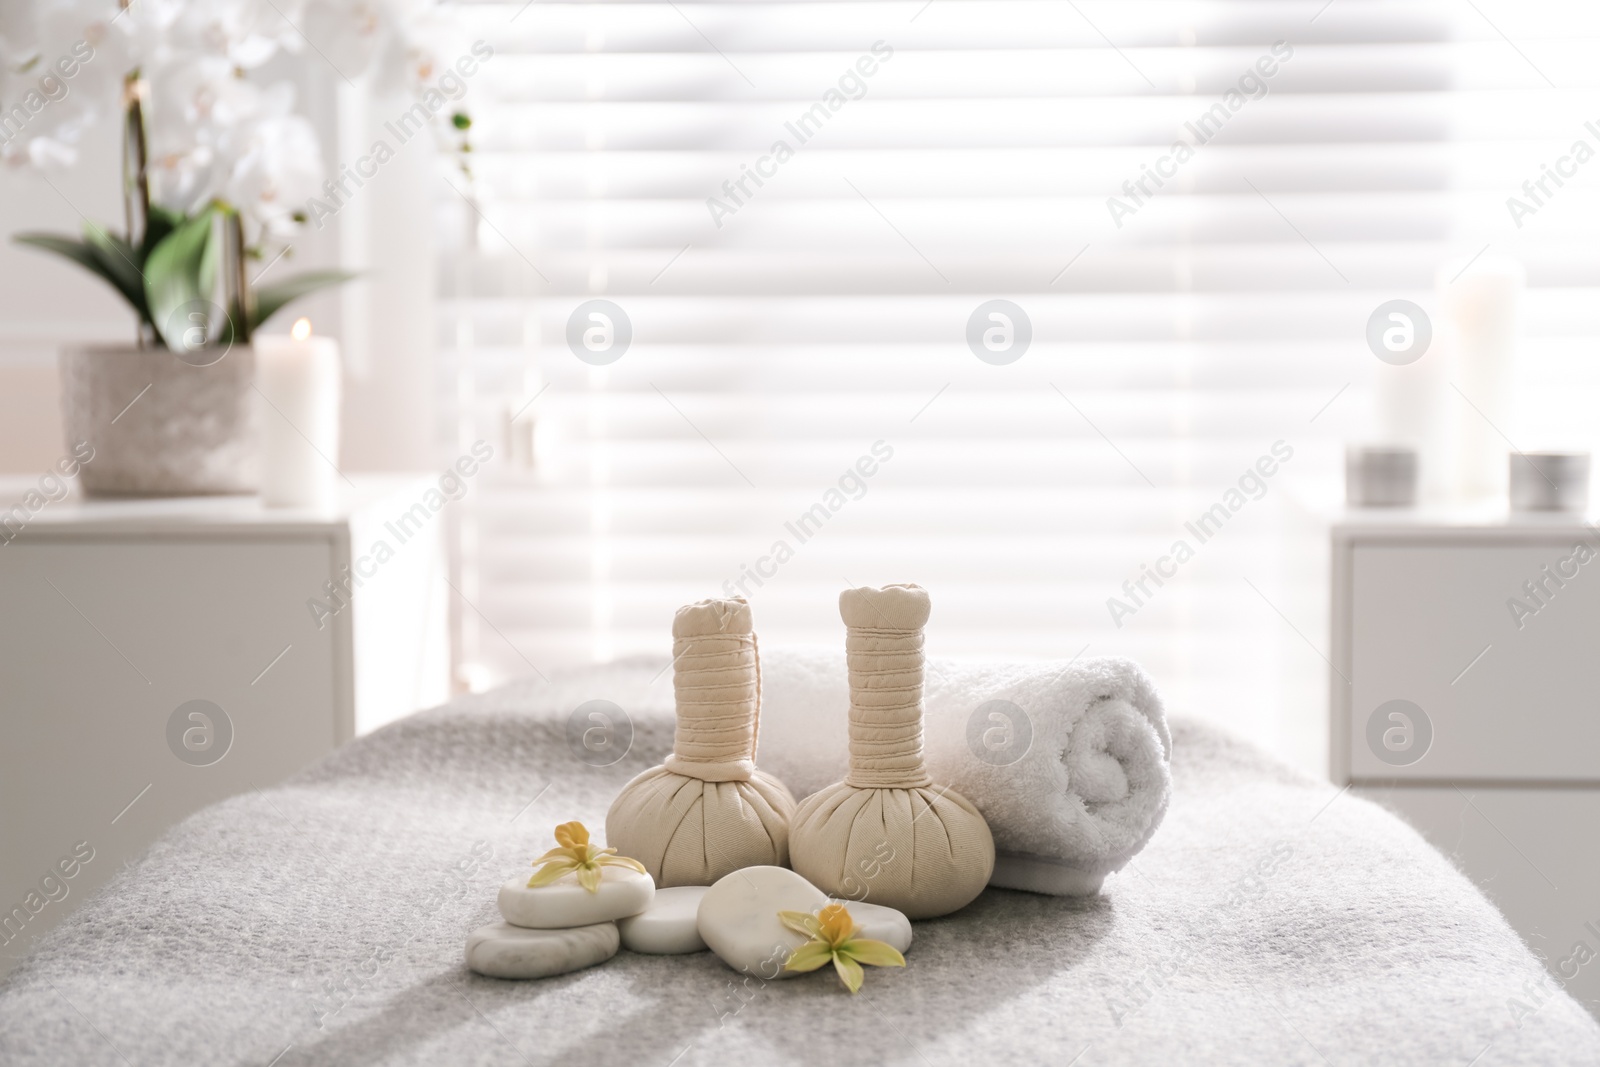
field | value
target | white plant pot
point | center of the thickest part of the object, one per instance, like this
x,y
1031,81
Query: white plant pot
x,y
160,426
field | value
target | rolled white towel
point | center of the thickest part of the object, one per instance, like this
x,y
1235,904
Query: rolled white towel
x,y
1067,762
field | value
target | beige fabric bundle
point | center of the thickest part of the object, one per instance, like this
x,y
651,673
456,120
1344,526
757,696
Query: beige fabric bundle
x,y
886,834
707,811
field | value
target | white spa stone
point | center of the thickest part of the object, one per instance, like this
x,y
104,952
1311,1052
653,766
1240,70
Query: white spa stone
x,y
738,918
668,926
564,903
501,950
880,923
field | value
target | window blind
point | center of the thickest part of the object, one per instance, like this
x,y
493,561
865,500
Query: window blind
x,y
804,210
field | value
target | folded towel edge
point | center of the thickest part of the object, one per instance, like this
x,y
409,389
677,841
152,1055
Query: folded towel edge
x,y
1041,874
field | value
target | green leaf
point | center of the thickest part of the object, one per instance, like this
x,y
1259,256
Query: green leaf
x,y
180,271
873,953
808,957
850,972
157,226
90,258
553,871
68,247
210,262
118,260
801,922
270,299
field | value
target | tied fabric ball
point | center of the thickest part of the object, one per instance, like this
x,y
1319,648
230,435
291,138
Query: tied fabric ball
x,y
886,834
707,811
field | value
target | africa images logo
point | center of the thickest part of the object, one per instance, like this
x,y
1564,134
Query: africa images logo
x,y
1399,733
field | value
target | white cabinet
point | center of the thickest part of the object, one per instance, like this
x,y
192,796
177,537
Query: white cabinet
x,y
158,655
1510,695
1466,697
1488,631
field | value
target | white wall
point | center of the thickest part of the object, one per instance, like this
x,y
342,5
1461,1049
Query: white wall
x,y
45,301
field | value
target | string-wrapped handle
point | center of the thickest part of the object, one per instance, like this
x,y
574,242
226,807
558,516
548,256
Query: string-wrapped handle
x,y
885,834
883,648
717,679
707,811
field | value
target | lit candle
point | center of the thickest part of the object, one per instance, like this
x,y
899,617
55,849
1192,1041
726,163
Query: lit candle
x,y
297,377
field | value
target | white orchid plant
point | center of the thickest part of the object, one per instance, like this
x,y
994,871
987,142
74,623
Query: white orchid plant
x,y
217,162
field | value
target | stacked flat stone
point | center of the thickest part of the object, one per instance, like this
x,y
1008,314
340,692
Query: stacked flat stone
x,y
668,927
737,919
558,927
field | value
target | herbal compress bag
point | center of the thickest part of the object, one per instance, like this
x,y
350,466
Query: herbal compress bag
x,y
887,834
707,811
1068,760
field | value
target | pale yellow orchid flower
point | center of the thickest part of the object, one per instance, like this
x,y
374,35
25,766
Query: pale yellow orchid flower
x,y
833,938
577,854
